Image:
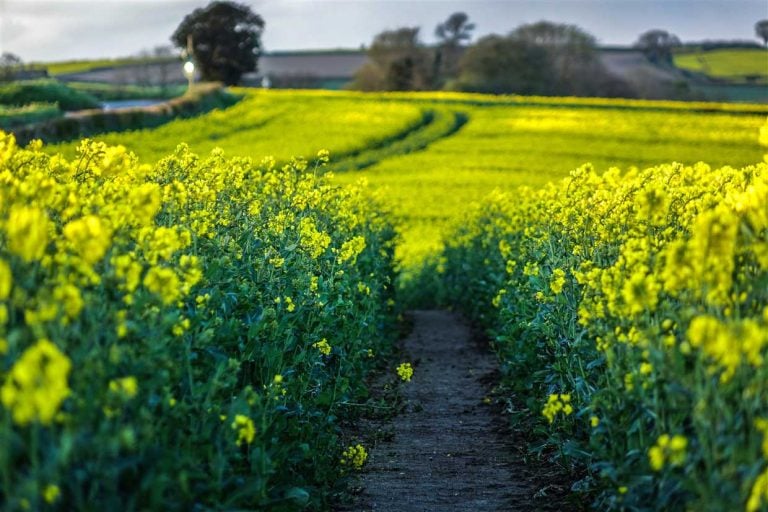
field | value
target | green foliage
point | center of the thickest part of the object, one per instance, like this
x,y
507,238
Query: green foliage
x,y
499,65
46,91
397,61
203,98
226,40
543,58
115,92
658,45
33,113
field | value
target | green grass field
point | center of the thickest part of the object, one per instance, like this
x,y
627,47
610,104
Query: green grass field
x,y
737,65
80,66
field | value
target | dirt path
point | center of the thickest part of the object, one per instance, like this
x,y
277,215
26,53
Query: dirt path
x,y
450,451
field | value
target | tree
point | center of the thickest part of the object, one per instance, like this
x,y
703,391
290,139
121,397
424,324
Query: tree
x,y
542,58
657,45
557,36
397,61
572,54
453,33
761,31
9,64
498,65
226,40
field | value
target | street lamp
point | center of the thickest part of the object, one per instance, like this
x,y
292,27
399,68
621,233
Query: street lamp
x,y
189,72
189,65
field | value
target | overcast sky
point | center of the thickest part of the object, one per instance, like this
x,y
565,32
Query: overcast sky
x,y
69,29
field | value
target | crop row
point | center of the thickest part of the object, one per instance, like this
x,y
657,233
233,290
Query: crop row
x,y
630,314
184,335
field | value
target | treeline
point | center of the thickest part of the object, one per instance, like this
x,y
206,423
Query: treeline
x,y
543,58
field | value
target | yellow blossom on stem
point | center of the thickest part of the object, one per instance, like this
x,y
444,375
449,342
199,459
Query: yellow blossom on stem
x,y
354,456
246,430
37,384
405,372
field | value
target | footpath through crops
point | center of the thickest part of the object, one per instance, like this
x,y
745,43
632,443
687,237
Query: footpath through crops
x,y
181,331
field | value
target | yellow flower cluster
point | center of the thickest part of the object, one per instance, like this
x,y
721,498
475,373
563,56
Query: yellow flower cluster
x,y
668,450
322,346
126,386
351,249
51,493
245,429
758,496
728,343
313,240
354,456
557,403
135,298
666,328
37,384
558,281
405,372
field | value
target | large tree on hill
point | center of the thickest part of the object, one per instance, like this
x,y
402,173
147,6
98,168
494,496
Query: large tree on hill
x,y
541,58
761,31
397,61
657,45
225,39
571,52
452,35
499,65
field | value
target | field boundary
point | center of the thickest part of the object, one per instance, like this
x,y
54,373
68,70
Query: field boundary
x,y
91,122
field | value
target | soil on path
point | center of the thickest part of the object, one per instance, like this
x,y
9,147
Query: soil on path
x,y
451,450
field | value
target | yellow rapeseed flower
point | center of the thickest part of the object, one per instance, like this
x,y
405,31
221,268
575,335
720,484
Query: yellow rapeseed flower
x,y
6,280
27,232
126,386
246,430
164,283
51,493
557,403
37,384
354,456
89,237
558,281
668,449
405,371
322,346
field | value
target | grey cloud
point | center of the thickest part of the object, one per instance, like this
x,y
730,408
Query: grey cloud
x,y
67,29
